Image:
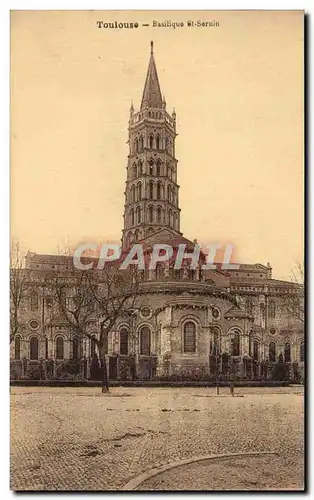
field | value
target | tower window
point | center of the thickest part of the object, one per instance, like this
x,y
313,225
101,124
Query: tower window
x,y
132,216
169,193
158,191
134,171
157,142
151,214
138,215
158,214
140,168
133,193
141,143
139,191
151,190
151,141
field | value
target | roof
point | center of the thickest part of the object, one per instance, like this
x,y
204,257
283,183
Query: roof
x,y
152,94
236,312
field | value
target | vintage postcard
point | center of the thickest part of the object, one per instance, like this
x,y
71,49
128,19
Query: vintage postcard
x,y
157,237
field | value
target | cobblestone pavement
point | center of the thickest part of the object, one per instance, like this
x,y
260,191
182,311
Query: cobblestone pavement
x,y
79,439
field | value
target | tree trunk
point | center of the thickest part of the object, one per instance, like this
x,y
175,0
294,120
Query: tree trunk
x,y
104,378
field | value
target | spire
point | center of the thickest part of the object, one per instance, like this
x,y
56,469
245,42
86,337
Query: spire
x,y
151,94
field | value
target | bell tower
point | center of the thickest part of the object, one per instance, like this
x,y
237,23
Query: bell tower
x,y
152,192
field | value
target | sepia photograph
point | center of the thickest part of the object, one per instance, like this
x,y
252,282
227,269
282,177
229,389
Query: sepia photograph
x,y
157,319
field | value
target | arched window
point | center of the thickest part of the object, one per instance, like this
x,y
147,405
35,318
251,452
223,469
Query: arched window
x,y
129,239
137,235
256,350
215,342
287,352
157,141
17,347
139,190
33,345
133,193
150,190
175,220
151,165
136,144
34,301
235,344
134,171
124,341
170,218
59,347
140,168
158,191
92,347
272,352
141,143
158,168
46,348
145,341
271,309
132,216
150,214
151,141
169,193
302,352
150,231
138,215
159,214
75,348
189,332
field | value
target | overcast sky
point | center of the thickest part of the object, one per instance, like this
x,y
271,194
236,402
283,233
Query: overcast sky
x,y
238,94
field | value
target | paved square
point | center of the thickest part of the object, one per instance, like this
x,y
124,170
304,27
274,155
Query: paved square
x,y
79,439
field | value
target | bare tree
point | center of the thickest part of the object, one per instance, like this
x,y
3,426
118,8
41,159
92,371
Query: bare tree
x,y
20,287
83,295
293,299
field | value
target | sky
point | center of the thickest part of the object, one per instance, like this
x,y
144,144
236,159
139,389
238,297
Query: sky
x,y
238,93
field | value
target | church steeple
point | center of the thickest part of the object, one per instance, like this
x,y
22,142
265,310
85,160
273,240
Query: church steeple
x,y
152,95
152,192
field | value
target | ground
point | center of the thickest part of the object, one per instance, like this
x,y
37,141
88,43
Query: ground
x,y
79,439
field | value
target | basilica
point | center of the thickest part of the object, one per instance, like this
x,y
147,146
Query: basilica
x,y
186,324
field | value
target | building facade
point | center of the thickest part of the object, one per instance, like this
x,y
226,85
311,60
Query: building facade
x,y
185,324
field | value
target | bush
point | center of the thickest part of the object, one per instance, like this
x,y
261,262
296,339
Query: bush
x,y
71,367
34,372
